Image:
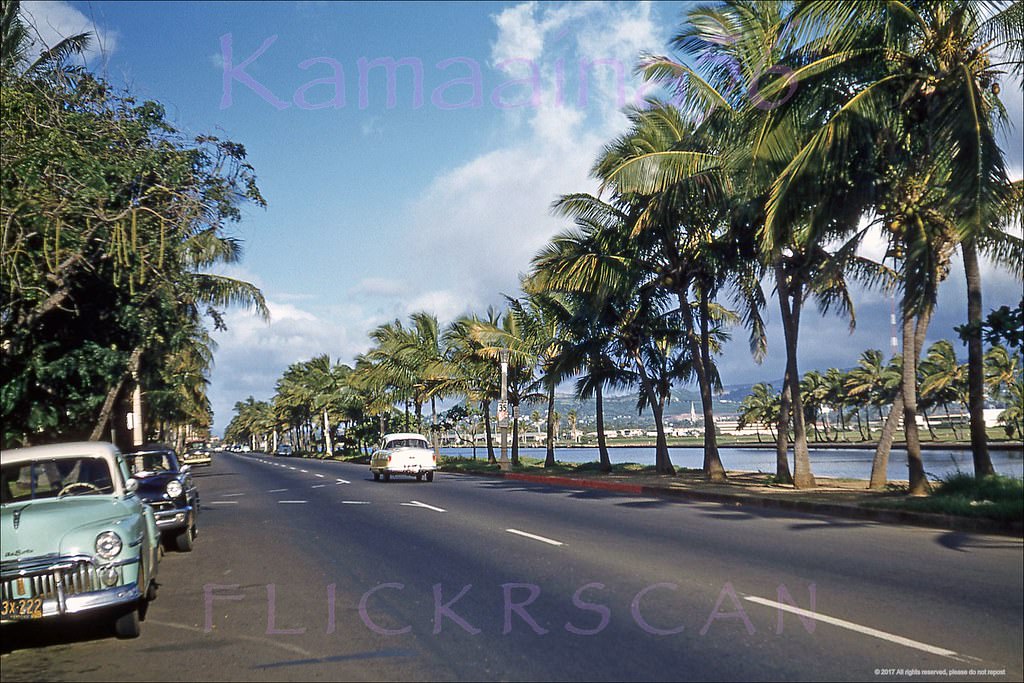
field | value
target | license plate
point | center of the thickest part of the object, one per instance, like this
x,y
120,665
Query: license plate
x,y
22,608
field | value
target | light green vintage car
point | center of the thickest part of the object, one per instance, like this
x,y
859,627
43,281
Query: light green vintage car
x,y
74,536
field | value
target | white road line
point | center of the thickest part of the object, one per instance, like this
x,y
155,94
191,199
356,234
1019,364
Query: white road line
x,y
320,475
290,467
294,502
417,504
233,495
534,537
355,502
318,486
342,481
874,633
276,490
304,471
222,502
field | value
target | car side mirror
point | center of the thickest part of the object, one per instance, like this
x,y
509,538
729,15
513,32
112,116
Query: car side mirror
x,y
132,485
185,469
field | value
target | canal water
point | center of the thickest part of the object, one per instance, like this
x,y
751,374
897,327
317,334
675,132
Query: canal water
x,y
850,463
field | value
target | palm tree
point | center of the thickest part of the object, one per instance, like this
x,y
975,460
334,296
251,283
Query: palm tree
x,y
735,88
943,379
16,44
923,74
470,372
760,407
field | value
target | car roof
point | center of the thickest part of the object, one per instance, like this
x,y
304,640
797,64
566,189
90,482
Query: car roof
x,y
404,435
151,448
92,449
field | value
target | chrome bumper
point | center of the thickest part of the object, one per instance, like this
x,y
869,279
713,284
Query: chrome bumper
x,y
173,518
66,585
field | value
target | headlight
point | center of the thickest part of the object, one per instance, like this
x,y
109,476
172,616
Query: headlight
x,y
174,488
108,545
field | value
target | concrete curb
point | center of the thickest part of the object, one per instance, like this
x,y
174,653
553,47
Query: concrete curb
x,y
922,519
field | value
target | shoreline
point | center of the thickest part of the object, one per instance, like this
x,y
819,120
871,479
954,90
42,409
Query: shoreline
x,y
829,445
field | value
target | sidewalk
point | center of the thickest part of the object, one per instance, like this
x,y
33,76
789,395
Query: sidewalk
x,y
834,497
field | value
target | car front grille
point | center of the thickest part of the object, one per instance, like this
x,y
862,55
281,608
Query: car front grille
x,y
40,579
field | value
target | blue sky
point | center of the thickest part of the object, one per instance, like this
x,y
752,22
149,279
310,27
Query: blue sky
x,y
379,209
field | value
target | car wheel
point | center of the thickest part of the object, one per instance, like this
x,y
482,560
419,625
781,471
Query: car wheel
x,y
183,542
430,476
387,476
127,625
419,477
376,476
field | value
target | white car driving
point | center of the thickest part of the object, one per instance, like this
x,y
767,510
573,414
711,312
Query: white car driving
x,y
403,453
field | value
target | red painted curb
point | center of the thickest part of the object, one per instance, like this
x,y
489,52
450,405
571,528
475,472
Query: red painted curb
x,y
577,483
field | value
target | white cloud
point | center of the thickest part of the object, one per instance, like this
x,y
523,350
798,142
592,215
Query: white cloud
x,y
52,22
484,220
252,354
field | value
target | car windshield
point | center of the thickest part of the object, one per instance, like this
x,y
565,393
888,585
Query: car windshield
x,y
140,463
408,443
196,445
55,478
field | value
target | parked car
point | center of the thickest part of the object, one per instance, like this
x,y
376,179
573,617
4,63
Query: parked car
x,y
284,450
197,453
168,488
76,537
403,453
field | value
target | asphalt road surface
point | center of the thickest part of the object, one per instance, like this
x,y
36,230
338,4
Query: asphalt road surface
x,y
307,570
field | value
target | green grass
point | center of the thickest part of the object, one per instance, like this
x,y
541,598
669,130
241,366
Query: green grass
x,y
992,497
536,466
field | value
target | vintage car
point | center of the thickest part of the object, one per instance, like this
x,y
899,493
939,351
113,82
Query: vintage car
x,y
403,454
197,453
169,489
74,536
283,450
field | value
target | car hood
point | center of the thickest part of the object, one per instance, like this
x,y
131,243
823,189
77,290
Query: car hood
x,y
33,528
154,484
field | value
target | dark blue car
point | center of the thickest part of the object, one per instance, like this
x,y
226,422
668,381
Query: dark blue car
x,y
167,487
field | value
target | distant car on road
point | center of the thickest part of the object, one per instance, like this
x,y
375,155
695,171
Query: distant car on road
x,y
403,453
169,489
76,537
284,450
197,453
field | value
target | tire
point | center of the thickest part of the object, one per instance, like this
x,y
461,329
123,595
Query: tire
x,y
419,477
387,476
376,476
183,541
127,625
430,476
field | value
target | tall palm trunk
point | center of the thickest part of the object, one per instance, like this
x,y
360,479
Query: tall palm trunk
x,y
328,442
802,477
602,440
975,362
662,461
949,419
713,469
915,466
782,473
486,405
880,463
549,459
928,424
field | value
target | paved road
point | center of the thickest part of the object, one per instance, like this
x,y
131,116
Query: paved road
x,y
309,570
